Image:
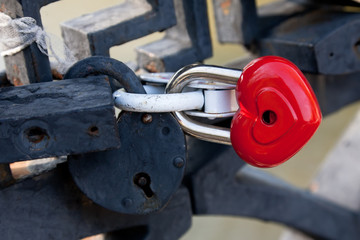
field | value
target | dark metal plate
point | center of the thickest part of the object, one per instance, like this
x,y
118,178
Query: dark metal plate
x,y
56,119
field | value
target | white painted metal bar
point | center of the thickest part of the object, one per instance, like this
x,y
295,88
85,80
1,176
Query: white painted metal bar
x,y
158,102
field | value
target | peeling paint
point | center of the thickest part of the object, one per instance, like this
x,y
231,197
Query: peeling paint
x,y
225,6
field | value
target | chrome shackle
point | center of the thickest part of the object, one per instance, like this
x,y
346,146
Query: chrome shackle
x,y
186,76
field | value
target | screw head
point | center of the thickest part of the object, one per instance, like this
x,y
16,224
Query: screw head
x,y
146,118
179,162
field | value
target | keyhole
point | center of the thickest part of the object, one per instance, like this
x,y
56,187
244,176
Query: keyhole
x,y
269,117
143,181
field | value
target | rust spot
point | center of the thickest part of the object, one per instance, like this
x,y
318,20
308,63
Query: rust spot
x,y
16,69
93,131
56,75
16,81
151,67
36,134
225,6
146,118
3,8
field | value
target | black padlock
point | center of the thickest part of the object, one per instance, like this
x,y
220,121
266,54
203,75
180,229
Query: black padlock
x,y
141,176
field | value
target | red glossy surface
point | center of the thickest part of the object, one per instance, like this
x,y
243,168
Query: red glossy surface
x,y
278,112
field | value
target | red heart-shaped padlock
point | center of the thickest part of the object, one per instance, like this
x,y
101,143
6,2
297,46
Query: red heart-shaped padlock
x,y
278,112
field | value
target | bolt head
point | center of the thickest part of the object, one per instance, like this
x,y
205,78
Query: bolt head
x,y
146,118
127,202
179,162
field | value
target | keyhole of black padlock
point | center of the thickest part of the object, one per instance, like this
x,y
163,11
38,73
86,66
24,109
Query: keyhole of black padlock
x,y
143,181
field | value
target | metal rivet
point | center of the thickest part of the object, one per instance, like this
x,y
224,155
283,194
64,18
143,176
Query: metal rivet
x,y
178,162
146,118
127,202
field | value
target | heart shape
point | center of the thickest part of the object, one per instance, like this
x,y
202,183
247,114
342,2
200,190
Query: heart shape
x,y
278,112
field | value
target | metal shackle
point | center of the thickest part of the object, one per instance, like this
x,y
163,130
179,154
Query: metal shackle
x,y
191,73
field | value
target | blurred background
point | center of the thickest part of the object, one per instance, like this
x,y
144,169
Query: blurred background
x,y
298,171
